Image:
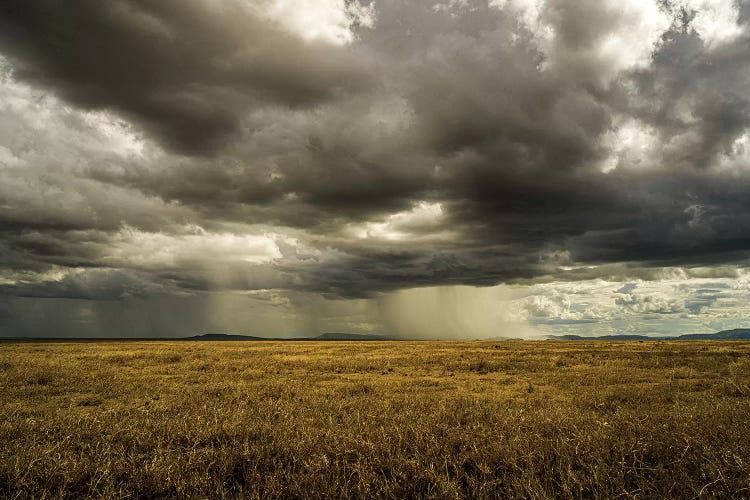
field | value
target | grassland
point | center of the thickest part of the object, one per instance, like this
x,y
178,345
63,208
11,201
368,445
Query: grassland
x,y
375,419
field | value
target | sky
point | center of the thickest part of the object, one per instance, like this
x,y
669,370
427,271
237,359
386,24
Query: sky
x,y
421,168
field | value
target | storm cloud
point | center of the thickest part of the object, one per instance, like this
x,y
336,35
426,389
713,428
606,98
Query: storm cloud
x,y
346,151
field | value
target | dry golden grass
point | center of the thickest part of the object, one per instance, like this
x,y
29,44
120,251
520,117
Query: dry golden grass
x,y
375,419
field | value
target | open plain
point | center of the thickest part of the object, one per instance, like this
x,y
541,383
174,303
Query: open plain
x,y
374,419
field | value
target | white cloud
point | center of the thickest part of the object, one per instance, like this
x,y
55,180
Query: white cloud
x,y
528,13
32,117
715,21
659,303
676,301
424,218
330,21
625,43
194,245
629,41
631,144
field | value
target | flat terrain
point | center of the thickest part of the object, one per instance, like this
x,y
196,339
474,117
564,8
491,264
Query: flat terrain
x,y
384,419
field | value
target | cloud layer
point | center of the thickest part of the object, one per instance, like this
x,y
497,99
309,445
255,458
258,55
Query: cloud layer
x,y
345,151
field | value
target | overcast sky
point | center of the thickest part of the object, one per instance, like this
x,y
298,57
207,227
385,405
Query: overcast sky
x,y
446,169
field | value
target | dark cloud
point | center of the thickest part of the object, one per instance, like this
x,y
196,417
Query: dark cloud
x,y
447,143
100,284
184,71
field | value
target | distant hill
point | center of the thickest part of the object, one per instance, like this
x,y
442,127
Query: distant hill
x,y
736,334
